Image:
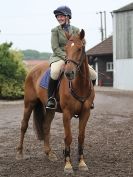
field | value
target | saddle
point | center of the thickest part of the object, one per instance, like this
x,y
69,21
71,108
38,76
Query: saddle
x,y
44,84
46,76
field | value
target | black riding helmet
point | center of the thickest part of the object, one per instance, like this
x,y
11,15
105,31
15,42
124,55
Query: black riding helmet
x,y
63,10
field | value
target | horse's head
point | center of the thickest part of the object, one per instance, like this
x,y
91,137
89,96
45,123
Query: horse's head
x,y
75,52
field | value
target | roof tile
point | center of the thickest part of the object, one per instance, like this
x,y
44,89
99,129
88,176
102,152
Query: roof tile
x,y
103,48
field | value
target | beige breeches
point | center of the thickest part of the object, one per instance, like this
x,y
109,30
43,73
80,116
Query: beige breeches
x,y
93,74
56,67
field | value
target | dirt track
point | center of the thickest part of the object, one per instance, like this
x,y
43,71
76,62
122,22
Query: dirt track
x,y
108,143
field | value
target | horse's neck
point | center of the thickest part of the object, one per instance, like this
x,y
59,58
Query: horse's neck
x,y
83,80
84,74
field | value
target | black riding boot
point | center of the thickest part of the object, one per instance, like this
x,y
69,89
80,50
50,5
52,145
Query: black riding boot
x,y
94,83
51,104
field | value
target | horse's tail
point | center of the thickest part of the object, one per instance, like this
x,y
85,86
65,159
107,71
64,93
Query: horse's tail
x,y
38,119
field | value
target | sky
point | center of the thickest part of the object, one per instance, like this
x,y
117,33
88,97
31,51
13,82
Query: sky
x,y
28,23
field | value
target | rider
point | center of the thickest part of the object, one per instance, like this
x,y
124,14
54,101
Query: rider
x,y
58,41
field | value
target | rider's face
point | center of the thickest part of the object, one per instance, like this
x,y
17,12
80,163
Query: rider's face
x,y
61,19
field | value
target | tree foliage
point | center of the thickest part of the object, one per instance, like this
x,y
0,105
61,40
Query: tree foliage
x,y
34,54
12,72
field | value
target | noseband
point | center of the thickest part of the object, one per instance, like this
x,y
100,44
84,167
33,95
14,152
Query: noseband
x,y
79,63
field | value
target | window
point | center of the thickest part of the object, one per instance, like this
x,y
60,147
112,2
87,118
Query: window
x,y
109,66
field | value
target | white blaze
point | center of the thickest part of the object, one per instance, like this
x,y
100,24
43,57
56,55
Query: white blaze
x,y
72,44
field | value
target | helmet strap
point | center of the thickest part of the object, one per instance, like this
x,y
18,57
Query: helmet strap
x,y
67,20
66,27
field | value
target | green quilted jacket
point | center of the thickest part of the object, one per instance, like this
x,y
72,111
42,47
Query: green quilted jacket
x,y
58,42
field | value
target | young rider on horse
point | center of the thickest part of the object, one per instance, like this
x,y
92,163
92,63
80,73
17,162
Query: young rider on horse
x,y
58,41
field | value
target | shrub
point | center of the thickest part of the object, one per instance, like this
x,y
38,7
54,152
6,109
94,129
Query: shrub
x,y
12,73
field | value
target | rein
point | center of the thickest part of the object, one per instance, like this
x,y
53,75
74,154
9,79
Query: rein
x,y
82,99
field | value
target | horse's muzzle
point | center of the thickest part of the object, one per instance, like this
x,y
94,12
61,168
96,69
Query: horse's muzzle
x,y
70,75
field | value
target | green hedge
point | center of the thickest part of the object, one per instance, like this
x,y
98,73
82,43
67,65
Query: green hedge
x,y
12,73
11,89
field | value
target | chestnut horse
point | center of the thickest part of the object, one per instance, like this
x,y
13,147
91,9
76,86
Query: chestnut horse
x,y
75,96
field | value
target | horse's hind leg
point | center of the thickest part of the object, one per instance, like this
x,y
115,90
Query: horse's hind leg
x,y
24,125
46,128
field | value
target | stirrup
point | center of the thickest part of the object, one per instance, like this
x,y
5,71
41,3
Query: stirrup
x,y
52,103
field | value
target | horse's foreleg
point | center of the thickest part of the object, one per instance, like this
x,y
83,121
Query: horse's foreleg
x,y
24,126
67,140
82,125
46,127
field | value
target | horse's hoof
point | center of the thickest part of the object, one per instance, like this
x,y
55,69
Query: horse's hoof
x,y
68,171
83,166
19,156
68,168
52,156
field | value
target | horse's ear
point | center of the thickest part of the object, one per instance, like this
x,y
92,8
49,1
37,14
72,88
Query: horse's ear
x,y
67,35
82,34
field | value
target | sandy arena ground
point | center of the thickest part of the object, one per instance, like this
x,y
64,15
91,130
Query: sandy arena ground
x,y
108,143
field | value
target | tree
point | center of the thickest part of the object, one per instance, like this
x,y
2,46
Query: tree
x,y
12,72
34,54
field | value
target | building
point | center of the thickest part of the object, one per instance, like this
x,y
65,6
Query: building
x,y
101,57
123,47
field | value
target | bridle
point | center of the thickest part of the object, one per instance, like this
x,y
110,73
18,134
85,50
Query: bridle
x,y
79,63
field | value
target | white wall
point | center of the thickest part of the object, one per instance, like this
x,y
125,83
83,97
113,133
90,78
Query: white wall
x,y
123,50
123,74
123,34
